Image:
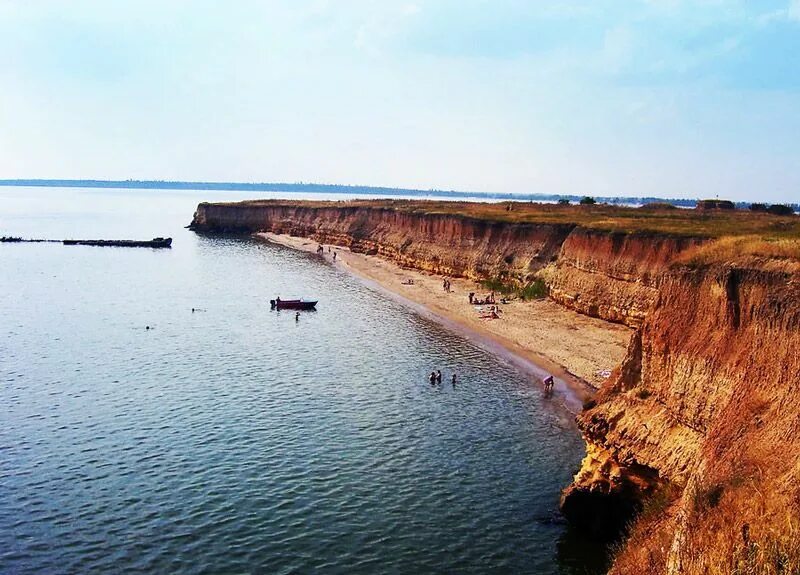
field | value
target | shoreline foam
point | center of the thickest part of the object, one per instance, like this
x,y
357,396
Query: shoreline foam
x,y
539,337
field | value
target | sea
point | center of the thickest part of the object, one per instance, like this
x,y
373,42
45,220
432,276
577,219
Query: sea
x,y
158,417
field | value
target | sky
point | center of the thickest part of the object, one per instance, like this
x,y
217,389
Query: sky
x,y
669,98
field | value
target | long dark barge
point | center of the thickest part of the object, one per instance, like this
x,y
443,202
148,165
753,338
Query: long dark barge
x,y
154,243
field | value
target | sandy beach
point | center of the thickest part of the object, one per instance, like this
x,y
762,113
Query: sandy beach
x,y
577,349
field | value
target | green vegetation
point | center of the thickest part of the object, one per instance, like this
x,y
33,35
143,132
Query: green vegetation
x,y
499,286
537,289
587,201
780,210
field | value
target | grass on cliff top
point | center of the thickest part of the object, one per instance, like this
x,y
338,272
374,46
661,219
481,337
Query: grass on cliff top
x,y
683,222
736,248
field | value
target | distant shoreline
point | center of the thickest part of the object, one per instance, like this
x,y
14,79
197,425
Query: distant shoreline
x,y
313,188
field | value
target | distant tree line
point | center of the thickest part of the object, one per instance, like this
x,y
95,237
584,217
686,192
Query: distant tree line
x,y
311,188
776,209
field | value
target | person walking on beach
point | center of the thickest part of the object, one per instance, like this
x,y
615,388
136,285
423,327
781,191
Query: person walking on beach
x,y
334,256
297,316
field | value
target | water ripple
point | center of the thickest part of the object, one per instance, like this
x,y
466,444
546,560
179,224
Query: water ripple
x,y
237,440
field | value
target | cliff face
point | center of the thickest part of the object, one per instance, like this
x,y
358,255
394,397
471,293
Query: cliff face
x,y
602,274
613,275
708,403
439,243
702,415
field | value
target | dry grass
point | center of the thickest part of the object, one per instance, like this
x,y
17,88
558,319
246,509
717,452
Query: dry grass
x,y
693,223
745,523
745,533
738,247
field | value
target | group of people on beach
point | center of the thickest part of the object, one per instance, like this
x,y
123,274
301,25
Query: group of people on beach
x,y
475,301
321,250
436,378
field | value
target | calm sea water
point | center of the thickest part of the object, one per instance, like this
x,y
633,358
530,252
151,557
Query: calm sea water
x,y
237,440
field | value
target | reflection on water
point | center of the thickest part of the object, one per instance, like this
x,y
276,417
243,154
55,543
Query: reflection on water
x,y
236,439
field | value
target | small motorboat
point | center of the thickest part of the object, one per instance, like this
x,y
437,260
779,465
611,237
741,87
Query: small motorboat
x,y
292,304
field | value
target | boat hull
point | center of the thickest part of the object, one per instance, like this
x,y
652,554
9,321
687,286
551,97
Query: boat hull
x,y
299,304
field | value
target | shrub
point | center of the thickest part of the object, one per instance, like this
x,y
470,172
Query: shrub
x,y
534,290
643,393
758,207
587,201
658,206
563,202
589,404
780,210
498,285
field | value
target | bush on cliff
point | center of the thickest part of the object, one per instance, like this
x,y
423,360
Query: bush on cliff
x,y
534,290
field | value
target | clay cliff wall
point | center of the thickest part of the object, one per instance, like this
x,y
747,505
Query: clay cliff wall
x,y
439,243
707,402
603,274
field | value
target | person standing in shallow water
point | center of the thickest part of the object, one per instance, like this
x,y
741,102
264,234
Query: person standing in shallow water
x,y
438,376
432,378
454,381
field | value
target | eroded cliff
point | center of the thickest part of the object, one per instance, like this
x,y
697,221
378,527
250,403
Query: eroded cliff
x,y
439,243
709,402
698,425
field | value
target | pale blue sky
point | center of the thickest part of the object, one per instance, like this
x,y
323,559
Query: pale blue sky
x,y
675,98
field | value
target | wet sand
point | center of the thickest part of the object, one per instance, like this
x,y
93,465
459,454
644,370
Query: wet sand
x,y
539,336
